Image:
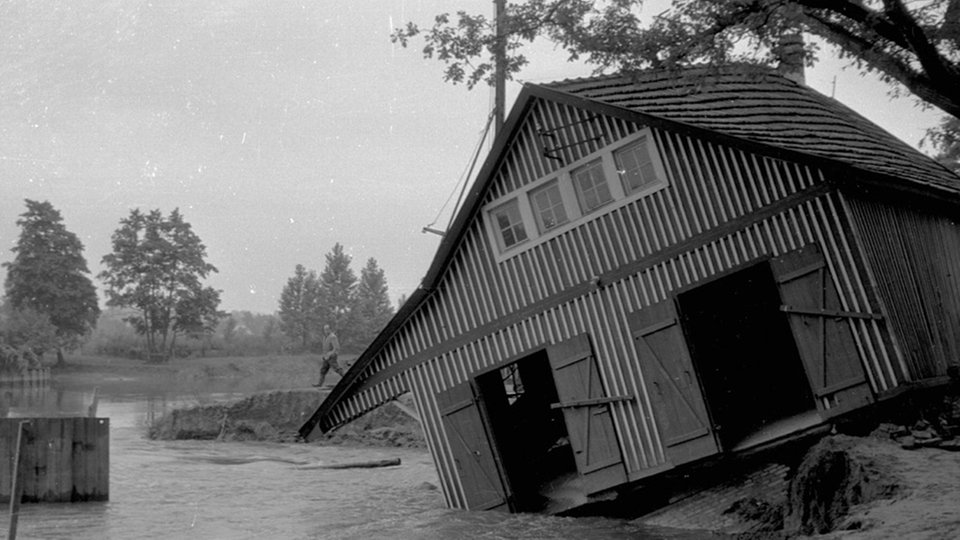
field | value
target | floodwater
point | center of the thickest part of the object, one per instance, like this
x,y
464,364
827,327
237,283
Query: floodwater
x,y
213,490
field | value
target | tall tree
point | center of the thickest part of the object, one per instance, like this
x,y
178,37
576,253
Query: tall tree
x,y
300,312
337,284
49,275
372,303
914,43
157,267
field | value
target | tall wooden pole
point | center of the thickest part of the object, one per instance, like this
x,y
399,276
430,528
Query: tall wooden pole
x,y
16,482
500,72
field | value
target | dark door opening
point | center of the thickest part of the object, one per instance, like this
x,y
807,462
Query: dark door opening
x,y
742,347
531,436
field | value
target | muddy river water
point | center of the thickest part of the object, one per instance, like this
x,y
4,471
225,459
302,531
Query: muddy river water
x,y
213,490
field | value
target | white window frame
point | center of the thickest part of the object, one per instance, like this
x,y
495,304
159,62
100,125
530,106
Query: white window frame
x,y
495,227
571,203
654,161
532,193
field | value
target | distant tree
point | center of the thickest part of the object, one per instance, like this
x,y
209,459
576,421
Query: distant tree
x,y
913,43
945,139
230,329
300,311
401,301
270,330
372,303
49,275
337,284
26,329
156,267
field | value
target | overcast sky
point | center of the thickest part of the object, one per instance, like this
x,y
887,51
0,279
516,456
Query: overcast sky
x,y
278,128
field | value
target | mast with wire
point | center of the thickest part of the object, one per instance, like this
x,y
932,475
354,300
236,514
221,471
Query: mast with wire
x,y
496,116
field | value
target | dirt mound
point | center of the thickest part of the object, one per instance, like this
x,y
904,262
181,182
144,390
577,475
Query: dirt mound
x,y
277,416
836,474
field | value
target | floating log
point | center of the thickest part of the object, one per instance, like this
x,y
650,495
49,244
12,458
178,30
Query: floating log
x,y
356,465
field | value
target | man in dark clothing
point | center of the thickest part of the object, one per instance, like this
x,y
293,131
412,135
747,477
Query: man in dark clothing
x,y
328,355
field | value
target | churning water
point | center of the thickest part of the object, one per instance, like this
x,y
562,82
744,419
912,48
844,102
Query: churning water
x,y
214,490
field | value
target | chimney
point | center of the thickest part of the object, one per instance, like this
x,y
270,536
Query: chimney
x,y
790,53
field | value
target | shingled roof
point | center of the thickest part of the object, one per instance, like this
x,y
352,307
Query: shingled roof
x,y
763,106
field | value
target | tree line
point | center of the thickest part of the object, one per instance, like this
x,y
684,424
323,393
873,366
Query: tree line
x,y
355,309
154,287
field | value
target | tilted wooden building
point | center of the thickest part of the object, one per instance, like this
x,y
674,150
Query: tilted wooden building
x,y
653,270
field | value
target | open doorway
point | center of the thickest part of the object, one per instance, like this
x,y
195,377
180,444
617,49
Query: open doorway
x,y
742,347
531,436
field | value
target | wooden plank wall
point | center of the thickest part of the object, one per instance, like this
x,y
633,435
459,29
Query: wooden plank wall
x,y
65,459
484,313
915,257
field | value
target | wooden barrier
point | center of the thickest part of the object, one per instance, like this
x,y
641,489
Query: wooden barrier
x,y
64,459
30,377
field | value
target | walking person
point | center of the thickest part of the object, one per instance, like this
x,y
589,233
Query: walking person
x,y
328,354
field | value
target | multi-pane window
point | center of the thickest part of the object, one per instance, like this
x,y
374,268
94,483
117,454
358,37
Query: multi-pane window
x,y
548,206
635,167
571,195
591,186
509,223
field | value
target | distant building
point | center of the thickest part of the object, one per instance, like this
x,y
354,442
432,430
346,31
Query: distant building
x,y
656,269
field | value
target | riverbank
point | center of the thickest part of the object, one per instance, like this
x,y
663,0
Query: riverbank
x,y
277,399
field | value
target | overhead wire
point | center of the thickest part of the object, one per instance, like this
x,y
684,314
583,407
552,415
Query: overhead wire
x,y
464,179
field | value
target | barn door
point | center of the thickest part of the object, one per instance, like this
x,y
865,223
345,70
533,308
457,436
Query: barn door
x,y
672,383
822,329
586,411
476,464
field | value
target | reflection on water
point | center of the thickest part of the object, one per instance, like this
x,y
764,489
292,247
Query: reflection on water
x,y
207,489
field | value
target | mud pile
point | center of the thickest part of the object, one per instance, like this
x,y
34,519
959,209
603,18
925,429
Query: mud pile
x,y
277,416
837,474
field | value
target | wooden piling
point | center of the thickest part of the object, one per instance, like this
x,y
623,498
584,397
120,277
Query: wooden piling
x,y
63,459
16,483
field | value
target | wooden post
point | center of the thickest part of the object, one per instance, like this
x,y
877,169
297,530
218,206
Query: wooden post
x,y
16,483
500,69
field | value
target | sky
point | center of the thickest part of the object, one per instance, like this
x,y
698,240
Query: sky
x,y
278,128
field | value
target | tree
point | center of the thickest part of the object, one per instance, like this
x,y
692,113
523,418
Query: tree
x,y
337,284
49,275
916,44
945,139
26,330
156,267
372,304
300,312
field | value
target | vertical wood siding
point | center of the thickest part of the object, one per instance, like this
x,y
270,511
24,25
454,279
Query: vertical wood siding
x,y
915,258
710,186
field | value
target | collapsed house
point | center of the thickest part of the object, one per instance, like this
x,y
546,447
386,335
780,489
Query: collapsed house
x,y
656,269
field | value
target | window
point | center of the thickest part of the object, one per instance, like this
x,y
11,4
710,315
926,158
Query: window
x,y
591,186
635,167
509,224
570,195
548,206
